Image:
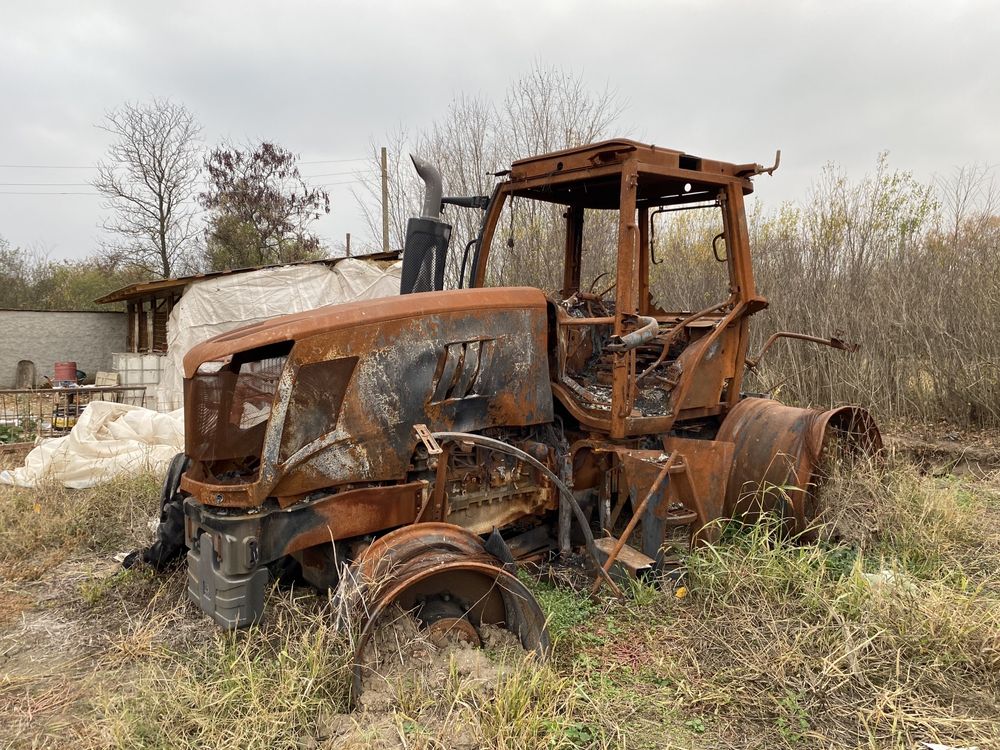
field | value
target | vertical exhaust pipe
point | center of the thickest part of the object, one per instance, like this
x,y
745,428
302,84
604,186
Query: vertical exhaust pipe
x,y
426,248
433,189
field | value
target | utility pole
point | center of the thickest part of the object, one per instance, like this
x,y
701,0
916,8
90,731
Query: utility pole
x,y
348,244
385,201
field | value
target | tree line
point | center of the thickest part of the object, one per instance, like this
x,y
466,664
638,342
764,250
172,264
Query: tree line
x,y
258,205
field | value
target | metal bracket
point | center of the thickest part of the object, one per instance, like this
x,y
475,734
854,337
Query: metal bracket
x,y
430,443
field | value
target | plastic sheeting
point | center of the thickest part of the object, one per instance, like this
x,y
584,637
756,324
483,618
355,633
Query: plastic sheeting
x,y
217,305
108,440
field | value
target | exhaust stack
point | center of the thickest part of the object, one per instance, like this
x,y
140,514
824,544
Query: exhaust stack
x,y
432,187
426,248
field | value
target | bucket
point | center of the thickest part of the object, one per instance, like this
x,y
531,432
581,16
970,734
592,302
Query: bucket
x,y
65,371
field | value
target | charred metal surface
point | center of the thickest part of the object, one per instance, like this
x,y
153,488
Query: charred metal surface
x,y
652,500
435,568
462,360
243,541
708,463
691,496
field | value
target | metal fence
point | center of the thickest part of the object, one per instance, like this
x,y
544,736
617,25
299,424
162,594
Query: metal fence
x,y
26,415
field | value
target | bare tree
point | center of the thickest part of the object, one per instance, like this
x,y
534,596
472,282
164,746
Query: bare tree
x,y
149,178
545,109
970,197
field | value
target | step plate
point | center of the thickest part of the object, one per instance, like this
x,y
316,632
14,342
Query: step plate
x,y
629,558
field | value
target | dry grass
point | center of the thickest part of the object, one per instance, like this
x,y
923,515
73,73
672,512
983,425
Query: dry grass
x,y
40,527
934,527
787,640
774,644
263,687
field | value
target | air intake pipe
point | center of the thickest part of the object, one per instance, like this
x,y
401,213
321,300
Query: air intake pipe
x,y
426,248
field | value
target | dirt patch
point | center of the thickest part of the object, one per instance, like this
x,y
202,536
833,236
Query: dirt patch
x,y
48,635
948,453
12,604
402,667
60,634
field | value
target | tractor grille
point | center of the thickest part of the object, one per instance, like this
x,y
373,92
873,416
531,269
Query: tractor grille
x,y
226,413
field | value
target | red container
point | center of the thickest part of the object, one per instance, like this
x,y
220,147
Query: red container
x,y
65,371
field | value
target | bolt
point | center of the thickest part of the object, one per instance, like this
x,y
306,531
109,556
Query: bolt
x,y
218,499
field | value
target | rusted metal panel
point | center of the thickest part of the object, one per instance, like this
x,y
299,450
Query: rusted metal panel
x,y
636,466
281,531
353,513
708,465
348,315
412,374
631,559
778,452
458,361
627,303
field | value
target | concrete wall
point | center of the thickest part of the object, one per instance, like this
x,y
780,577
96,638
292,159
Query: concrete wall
x,y
46,337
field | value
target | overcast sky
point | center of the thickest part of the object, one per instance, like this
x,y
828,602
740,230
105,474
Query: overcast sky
x,y
824,81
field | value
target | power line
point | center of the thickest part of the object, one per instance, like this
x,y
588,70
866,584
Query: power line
x,y
43,184
94,166
334,161
333,174
69,192
356,179
44,166
19,192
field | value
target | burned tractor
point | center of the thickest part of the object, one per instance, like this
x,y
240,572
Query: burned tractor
x,y
423,444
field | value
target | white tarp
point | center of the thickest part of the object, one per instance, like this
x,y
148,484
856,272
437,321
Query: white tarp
x,y
217,305
109,439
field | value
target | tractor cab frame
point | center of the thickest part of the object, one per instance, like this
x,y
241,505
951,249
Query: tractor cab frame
x,y
640,339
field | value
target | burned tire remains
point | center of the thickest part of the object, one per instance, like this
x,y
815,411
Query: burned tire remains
x,y
446,578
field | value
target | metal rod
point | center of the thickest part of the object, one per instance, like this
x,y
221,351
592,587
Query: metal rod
x,y
587,321
833,342
385,200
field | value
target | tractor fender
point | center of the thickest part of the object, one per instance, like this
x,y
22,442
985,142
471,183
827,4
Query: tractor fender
x,y
778,456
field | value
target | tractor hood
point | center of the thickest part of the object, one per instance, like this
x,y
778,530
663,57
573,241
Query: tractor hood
x,y
347,315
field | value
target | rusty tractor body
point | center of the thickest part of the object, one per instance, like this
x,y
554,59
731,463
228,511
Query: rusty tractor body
x,y
386,438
